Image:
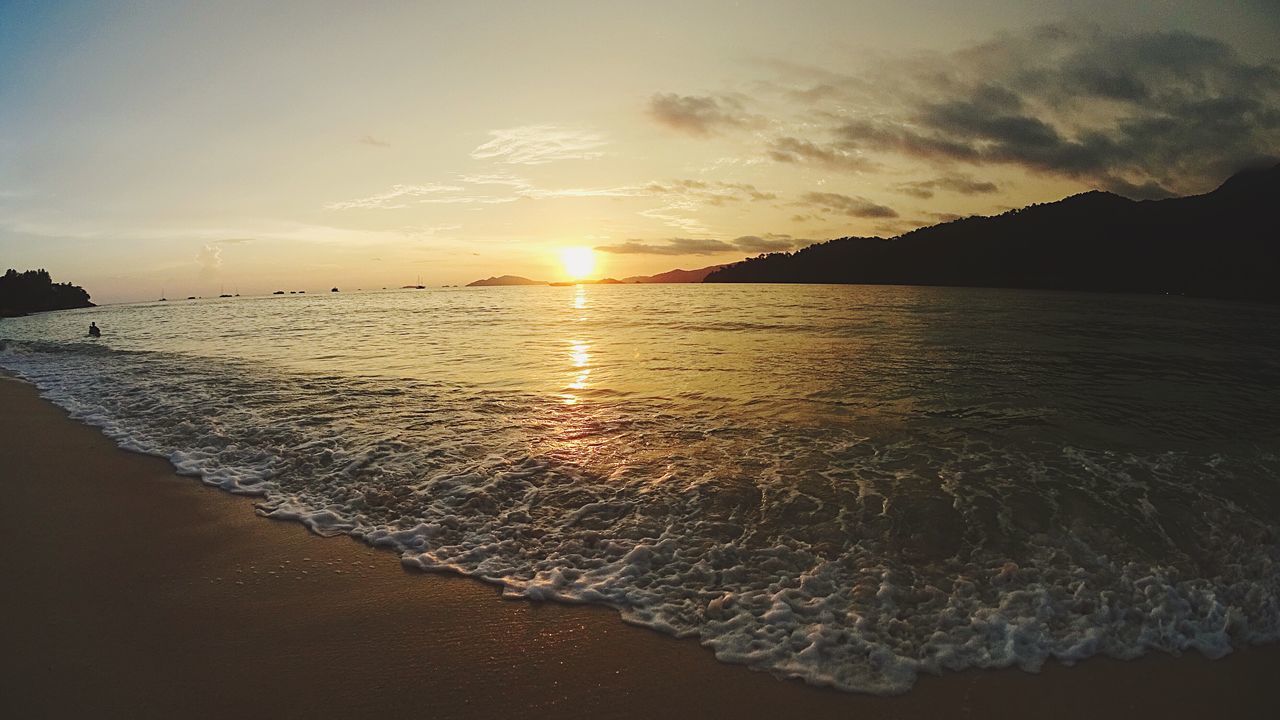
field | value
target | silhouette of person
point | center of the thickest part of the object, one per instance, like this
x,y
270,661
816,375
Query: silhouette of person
x,y
94,331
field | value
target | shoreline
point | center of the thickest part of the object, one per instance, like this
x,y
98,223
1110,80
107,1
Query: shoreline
x,y
135,592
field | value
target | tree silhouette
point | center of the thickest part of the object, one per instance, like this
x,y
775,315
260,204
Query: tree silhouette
x,y
1224,244
34,291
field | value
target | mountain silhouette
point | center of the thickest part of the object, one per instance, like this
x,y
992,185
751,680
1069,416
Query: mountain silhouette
x,y
674,276
504,280
1223,244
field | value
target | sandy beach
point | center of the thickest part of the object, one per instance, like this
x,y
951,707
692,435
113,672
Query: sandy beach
x,y
132,592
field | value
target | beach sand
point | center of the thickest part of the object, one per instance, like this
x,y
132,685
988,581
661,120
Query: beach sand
x,y
129,591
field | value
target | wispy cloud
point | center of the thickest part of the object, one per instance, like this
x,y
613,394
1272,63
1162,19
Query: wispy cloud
x,y
426,232
467,200
539,144
962,184
522,188
697,114
607,192
682,199
373,141
766,243
399,196
795,150
750,244
711,193
806,217
677,215
853,206
674,246
499,178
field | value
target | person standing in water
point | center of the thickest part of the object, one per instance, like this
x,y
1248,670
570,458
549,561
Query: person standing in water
x,y
94,331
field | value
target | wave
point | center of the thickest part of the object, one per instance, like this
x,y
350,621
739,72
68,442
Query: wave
x,y
855,552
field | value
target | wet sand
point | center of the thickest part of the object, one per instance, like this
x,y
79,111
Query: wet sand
x,y
131,592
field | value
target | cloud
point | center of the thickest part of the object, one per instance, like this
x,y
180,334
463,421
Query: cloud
x,y
711,193
852,206
539,144
769,243
500,178
795,150
681,198
806,217
209,260
403,196
425,232
1144,114
750,244
609,192
676,215
685,197
962,184
696,114
525,189
1146,190
748,191
373,141
1140,114
674,246
399,196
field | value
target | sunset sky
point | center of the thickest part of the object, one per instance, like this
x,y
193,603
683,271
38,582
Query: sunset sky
x,y
190,147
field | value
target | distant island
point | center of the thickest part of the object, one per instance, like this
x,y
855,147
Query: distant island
x,y
504,280
671,276
675,276
1223,244
35,291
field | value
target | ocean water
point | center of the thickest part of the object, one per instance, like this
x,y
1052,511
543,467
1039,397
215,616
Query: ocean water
x,y
849,485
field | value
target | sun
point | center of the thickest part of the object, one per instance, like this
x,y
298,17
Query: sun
x,y
579,262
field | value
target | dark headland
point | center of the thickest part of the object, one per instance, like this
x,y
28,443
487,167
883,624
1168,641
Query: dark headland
x,y
1223,244
35,291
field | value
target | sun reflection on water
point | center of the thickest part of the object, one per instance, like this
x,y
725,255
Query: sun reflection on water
x,y
579,354
580,361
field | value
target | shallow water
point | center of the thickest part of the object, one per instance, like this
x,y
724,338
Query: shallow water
x,y
851,485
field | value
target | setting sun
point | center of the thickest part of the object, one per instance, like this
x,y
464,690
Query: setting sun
x,y
579,262
773,356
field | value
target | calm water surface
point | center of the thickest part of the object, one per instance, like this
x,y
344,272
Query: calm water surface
x,y
851,485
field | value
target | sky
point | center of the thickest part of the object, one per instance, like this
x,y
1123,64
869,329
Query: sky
x,y
198,148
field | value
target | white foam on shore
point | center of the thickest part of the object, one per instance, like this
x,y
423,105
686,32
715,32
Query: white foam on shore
x,y
850,561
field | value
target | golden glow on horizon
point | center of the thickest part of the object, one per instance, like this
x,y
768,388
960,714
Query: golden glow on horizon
x,y
579,262
624,143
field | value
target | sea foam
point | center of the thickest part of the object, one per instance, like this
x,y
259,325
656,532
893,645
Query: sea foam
x,y
855,549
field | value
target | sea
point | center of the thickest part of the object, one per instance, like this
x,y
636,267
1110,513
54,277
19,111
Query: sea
x,y
850,485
